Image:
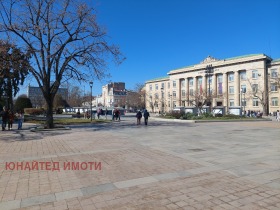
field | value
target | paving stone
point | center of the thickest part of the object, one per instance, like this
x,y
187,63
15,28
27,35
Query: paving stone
x,y
37,200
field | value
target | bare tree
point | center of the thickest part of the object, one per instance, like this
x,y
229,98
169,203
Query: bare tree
x,y
258,91
75,97
63,38
136,98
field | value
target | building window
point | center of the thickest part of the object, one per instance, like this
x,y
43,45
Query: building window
x,y
168,103
183,83
274,101
156,96
174,84
156,86
273,87
243,88
231,102
199,82
243,75
220,84
183,93
255,102
255,88
231,90
220,78
168,85
274,73
191,92
151,87
162,85
231,77
255,74
174,93
191,82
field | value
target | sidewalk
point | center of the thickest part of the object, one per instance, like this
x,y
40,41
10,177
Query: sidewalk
x,y
165,165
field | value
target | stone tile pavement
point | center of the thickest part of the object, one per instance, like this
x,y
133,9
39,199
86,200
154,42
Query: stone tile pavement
x,y
165,165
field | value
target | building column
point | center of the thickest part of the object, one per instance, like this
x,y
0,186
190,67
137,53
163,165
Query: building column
x,y
204,84
187,92
194,84
225,90
180,92
236,89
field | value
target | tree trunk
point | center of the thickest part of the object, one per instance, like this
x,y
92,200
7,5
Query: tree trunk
x,y
49,114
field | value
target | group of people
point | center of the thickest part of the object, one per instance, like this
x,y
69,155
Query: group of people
x,y
251,113
139,116
8,117
116,115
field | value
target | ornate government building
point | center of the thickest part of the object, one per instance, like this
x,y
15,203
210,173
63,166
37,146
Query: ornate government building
x,y
250,82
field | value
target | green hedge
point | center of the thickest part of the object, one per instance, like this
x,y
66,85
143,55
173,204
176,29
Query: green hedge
x,y
34,111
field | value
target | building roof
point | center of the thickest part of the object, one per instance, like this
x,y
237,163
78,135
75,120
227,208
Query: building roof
x,y
158,79
226,61
275,60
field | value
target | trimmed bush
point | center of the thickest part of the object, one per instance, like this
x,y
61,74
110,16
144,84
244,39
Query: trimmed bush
x,y
34,111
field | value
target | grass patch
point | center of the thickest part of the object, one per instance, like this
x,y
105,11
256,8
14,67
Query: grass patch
x,y
68,121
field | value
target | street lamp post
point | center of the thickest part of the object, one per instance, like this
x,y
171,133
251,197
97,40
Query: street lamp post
x,y
91,84
209,72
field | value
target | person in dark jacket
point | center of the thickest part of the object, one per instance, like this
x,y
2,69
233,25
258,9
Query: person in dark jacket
x,y
5,117
139,116
146,116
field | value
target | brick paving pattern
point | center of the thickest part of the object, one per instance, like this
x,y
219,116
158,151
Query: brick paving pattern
x,y
165,165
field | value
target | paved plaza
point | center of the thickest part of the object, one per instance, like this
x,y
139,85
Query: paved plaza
x,y
165,165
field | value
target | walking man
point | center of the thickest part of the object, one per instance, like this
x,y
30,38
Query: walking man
x,y
139,116
146,116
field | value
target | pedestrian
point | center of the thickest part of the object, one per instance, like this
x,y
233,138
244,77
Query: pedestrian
x,y
118,115
20,118
11,118
5,117
98,113
106,113
146,116
278,116
139,116
113,114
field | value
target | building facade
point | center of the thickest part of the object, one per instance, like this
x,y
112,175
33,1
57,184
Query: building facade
x,y
37,98
114,95
250,82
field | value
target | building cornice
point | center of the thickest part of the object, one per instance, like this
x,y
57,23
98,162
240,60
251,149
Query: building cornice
x,y
219,63
158,79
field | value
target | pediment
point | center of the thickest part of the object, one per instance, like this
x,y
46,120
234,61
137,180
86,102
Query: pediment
x,y
209,59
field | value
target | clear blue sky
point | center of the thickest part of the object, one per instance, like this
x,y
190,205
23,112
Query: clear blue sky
x,y
157,36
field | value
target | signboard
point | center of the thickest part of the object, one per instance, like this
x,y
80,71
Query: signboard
x,y
235,111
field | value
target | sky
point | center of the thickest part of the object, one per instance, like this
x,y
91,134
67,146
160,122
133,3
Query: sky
x,y
157,36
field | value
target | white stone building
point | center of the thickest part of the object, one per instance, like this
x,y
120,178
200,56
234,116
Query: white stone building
x,y
114,94
250,82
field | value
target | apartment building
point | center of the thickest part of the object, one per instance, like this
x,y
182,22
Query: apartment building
x,y
36,96
113,94
249,81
